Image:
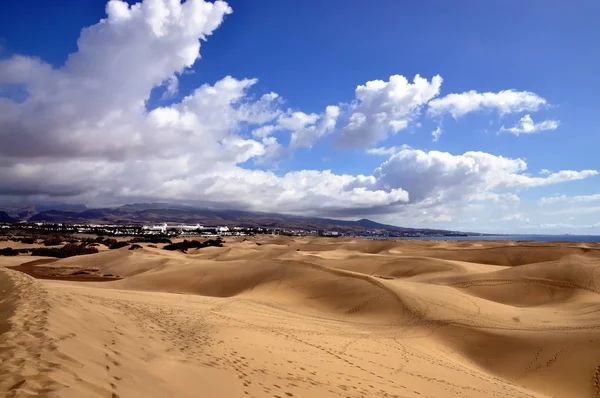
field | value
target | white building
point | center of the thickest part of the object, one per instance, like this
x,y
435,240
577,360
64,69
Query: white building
x,y
155,228
186,227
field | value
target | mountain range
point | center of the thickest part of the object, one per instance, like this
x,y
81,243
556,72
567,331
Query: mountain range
x,y
143,213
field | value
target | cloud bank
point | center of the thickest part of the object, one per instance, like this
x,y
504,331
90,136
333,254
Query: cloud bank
x,y
85,132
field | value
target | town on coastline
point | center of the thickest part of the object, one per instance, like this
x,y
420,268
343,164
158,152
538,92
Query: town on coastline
x,y
197,230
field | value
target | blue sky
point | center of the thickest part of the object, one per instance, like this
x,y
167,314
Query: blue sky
x,y
514,104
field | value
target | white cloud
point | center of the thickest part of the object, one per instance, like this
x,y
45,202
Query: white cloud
x,y
386,151
172,87
436,134
94,105
575,210
494,197
570,199
442,218
263,131
305,192
297,120
445,176
84,133
545,172
304,136
504,102
382,108
557,226
304,128
565,226
526,125
516,217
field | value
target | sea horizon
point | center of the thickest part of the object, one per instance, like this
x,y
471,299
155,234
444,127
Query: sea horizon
x,y
508,237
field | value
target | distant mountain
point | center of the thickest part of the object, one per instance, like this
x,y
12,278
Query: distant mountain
x,y
60,216
60,206
143,213
374,225
153,205
21,212
5,218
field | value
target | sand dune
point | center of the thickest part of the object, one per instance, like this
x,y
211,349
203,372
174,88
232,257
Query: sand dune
x,y
283,317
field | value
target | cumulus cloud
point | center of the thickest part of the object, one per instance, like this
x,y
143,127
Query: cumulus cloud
x,y
94,105
85,131
306,191
297,120
263,131
305,135
503,102
180,179
434,174
526,125
382,108
304,129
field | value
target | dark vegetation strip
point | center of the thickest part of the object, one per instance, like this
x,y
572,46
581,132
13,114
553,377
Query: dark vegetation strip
x,y
7,306
53,273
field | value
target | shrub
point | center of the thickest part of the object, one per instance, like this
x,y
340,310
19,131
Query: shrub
x,y
68,250
108,242
194,244
118,245
9,251
28,240
135,247
53,241
150,239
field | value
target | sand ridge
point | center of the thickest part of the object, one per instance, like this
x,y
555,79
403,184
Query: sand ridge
x,y
311,317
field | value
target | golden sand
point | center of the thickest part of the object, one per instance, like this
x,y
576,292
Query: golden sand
x,y
309,317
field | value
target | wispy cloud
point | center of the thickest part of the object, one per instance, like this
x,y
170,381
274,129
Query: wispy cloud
x,y
386,151
526,125
503,102
569,199
436,134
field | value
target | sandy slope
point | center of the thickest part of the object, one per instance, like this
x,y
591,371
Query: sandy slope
x,y
278,317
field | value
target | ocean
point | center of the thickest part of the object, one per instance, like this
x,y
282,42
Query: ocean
x,y
535,238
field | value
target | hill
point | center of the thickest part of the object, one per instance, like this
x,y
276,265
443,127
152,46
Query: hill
x,y
23,213
139,213
4,217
